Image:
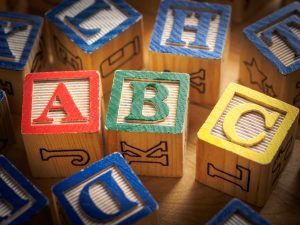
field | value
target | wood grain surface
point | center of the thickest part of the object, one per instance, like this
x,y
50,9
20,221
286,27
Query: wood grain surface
x,y
183,200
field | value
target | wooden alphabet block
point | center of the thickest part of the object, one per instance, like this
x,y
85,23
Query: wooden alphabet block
x,y
271,63
19,41
245,143
99,35
6,129
237,212
21,202
106,192
147,121
61,121
192,37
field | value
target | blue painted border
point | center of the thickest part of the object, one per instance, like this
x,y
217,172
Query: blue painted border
x,y
133,17
234,206
36,22
250,33
200,53
115,159
40,200
2,94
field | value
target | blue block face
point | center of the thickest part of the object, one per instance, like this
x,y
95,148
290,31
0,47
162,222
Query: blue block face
x,y
91,24
277,37
19,199
191,29
237,212
108,191
18,33
2,94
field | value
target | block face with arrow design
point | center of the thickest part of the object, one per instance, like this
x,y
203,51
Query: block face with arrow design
x,y
61,121
147,121
102,35
192,37
245,143
271,63
19,41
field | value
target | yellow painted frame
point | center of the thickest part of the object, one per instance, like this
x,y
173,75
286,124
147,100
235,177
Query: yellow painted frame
x,y
290,112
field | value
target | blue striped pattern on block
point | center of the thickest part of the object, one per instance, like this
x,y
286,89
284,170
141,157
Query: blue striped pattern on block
x,y
223,10
281,14
132,17
36,22
235,206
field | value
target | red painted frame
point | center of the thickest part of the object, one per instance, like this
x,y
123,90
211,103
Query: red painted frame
x,y
93,121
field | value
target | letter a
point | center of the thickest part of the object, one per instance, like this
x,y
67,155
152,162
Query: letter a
x,y
67,104
88,206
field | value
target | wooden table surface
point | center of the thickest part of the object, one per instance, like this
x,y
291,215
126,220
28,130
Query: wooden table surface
x,y
185,201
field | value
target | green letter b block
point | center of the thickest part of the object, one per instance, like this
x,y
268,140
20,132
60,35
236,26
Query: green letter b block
x,y
139,99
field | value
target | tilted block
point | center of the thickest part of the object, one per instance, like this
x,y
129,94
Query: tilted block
x,y
147,121
19,41
6,129
61,121
20,201
245,143
271,63
237,212
99,35
192,37
106,192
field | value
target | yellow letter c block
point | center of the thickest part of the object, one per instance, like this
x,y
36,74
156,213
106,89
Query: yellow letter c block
x,y
234,115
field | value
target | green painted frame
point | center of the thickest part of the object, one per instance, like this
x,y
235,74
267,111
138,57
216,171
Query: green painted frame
x,y
115,97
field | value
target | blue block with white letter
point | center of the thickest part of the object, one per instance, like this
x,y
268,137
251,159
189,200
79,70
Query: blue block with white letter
x,y
103,35
192,37
107,192
237,212
20,200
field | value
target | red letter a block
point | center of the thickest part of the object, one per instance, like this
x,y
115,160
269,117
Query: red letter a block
x,y
61,122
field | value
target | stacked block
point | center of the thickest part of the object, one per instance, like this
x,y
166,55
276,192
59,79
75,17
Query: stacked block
x,y
271,63
19,41
61,121
237,212
99,35
147,121
7,135
21,202
192,37
245,143
107,192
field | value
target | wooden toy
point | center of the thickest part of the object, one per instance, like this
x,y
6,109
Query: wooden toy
x,y
237,212
40,7
19,41
99,35
147,121
61,121
271,63
193,38
21,202
245,143
106,192
7,135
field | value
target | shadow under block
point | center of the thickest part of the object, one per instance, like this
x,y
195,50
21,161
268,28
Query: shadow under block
x,y
21,202
7,135
61,122
192,37
19,41
106,192
237,212
245,143
271,63
99,35
147,121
